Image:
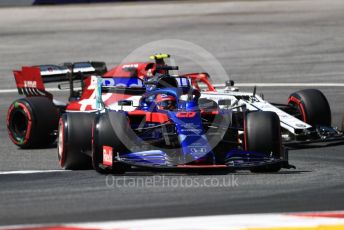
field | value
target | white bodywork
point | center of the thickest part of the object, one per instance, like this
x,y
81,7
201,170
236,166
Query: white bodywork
x,y
255,103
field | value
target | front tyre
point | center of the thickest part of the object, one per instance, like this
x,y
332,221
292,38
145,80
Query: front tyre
x,y
312,106
262,134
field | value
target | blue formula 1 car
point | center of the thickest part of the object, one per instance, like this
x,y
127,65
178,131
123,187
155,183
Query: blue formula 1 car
x,y
173,129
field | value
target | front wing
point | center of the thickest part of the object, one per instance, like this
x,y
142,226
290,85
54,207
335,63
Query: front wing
x,y
235,160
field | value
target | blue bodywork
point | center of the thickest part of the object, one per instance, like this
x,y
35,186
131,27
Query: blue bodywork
x,y
194,147
126,82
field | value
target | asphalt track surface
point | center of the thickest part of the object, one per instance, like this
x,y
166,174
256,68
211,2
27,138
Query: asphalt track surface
x,y
255,41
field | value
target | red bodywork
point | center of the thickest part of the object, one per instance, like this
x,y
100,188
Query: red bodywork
x,y
30,83
154,117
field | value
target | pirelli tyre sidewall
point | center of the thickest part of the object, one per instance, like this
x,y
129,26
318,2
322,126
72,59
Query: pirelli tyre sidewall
x,y
313,107
32,122
74,141
61,143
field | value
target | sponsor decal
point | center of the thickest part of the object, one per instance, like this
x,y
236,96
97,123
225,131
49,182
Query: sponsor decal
x,y
130,66
186,114
107,155
31,84
198,150
191,128
300,125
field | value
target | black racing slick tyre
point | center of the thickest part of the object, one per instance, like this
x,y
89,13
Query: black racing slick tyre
x,y
32,122
74,142
262,133
313,107
109,131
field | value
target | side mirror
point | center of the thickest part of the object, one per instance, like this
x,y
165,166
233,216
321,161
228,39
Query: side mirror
x,y
229,83
125,103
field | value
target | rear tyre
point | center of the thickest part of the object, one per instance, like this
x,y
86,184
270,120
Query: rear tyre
x,y
75,136
262,133
313,107
32,121
106,133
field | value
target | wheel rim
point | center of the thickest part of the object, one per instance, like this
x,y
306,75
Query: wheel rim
x,y
19,123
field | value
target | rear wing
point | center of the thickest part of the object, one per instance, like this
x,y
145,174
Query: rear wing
x,y
30,80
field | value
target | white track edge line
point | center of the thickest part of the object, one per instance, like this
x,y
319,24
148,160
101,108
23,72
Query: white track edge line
x,y
236,221
30,172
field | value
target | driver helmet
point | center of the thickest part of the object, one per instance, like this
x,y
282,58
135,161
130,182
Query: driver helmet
x,y
166,102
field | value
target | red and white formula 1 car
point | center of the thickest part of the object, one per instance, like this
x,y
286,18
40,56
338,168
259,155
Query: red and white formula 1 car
x,y
32,121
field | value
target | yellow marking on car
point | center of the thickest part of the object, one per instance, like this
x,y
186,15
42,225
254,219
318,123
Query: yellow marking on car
x,y
159,56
